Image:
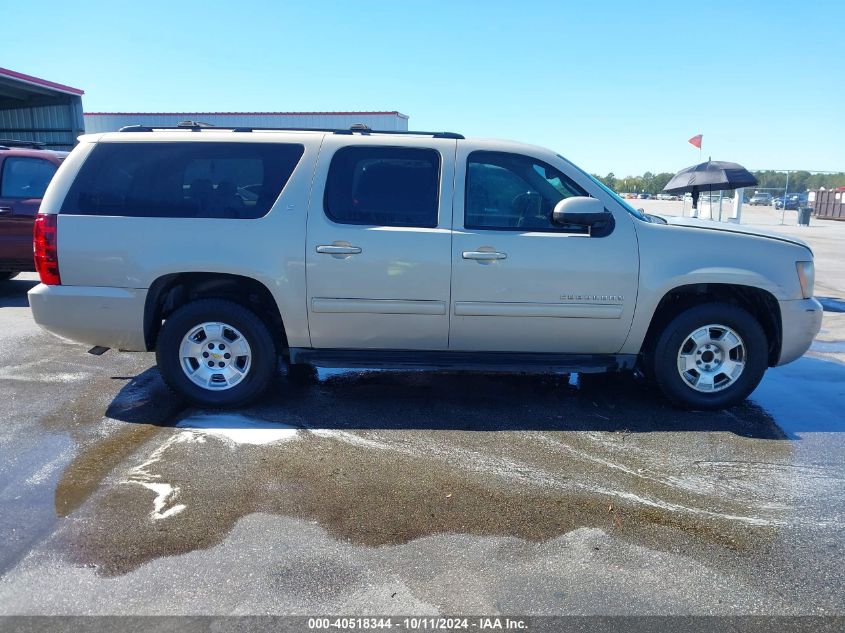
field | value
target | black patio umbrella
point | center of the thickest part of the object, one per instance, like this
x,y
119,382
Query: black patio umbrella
x,y
714,175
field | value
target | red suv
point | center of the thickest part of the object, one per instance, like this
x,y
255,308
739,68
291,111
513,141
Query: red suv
x,y
25,172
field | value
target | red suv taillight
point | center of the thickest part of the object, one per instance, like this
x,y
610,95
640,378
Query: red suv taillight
x,y
45,248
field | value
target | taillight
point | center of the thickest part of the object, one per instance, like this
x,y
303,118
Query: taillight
x,y
45,248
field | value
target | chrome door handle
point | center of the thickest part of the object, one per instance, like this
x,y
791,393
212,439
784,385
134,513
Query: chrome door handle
x,y
330,249
5,210
484,256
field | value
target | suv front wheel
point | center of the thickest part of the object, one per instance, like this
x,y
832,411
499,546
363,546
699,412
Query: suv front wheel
x,y
710,356
217,353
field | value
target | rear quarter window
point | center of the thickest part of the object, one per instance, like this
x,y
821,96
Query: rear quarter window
x,y
24,177
383,186
182,180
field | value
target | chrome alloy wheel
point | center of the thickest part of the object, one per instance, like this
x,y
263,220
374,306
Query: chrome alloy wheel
x,y
215,356
712,358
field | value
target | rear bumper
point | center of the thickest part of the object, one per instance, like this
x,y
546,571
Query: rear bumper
x,y
801,321
111,317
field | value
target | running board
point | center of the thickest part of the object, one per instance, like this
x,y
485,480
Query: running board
x,y
509,362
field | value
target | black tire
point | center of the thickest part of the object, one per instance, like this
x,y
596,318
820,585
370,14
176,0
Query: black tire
x,y
6,275
665,357
263,361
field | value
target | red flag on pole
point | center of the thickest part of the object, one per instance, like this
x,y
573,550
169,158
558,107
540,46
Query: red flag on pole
x,y
696,140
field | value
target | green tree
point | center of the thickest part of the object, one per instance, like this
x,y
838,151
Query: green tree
x,y
661,180
773,180
798,180
648,182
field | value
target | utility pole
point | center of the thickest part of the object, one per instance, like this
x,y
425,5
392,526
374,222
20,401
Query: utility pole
x,y
785,189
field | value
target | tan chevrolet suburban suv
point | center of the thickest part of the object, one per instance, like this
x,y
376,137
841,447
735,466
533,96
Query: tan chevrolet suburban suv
x,y
227,249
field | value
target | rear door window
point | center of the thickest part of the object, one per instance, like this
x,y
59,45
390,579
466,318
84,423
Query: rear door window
x,y
182,180
383,186
25,177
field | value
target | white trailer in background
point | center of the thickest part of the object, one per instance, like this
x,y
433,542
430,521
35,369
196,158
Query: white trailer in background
x,y
113,121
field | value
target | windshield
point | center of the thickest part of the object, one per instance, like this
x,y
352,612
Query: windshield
x,y
635,212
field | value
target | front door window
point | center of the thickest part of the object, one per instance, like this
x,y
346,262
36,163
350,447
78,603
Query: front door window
x,y
515,193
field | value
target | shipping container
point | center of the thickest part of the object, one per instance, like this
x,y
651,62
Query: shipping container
x,y
827,203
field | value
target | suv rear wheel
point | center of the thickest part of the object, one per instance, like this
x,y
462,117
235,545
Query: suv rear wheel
x,y
710,356
217,353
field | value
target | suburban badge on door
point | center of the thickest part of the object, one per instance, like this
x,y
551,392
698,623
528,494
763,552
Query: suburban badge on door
x,y
568,297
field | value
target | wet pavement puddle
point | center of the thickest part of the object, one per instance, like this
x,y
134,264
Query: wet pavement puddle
x,y
376,459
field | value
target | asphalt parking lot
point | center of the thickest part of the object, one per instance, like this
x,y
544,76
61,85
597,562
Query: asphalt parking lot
x,y
383,492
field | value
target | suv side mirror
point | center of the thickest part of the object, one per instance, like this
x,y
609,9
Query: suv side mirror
x,y
582,211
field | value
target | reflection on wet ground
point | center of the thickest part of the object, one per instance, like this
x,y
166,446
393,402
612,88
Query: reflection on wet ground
x,y
379,458
85,474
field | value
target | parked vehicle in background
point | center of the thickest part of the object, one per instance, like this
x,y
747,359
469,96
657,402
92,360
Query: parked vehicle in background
x,y
714,197
793,201
25,171
422,250
644,196
760,199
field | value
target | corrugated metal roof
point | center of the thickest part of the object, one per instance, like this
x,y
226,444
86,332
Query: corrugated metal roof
x,y
12,74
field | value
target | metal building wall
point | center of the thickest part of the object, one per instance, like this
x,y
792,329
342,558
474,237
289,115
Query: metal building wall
x,y
110,122
56,125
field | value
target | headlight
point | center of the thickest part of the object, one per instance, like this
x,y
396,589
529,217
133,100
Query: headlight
x,y
806,277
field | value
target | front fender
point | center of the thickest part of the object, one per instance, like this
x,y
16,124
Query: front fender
x,y
718,275
676,256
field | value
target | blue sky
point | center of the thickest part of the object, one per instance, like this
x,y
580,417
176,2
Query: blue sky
x,y
613,86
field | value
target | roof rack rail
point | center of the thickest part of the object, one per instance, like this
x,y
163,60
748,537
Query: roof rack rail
x,y
355,129
9,143
193,124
